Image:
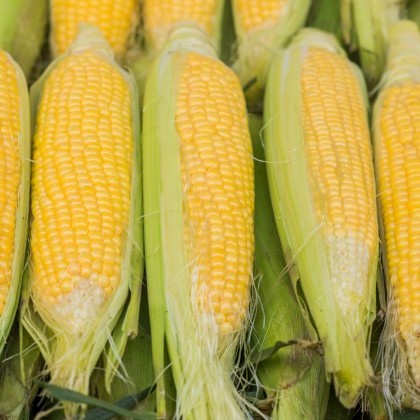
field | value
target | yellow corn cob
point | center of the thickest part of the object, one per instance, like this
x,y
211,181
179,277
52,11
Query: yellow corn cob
x,y
161,17
14,187
396,126
115,18
198,184
262,28
317,138
84,178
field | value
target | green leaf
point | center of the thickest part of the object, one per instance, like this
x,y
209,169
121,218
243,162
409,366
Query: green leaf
x,y
65,394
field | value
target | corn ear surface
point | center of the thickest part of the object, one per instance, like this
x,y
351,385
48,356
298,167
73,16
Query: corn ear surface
x,y
15,152
262,30
116,19
71,341
201,336
23,25
313,82
162,17
294,377
396,145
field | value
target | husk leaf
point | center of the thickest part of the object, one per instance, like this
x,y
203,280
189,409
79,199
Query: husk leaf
x,y
345,339
294,377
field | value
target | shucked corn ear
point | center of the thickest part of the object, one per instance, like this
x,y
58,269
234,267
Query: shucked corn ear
x,y
15,141
262,29
366,24
85,185
115,18
294,377
22,29
321,182
198,199
162,17
397,147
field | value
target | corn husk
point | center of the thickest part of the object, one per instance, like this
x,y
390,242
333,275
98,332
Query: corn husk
x,y
345,339
202,371
366,27
257,48
294,377
23,25
399,386
71,361
22,211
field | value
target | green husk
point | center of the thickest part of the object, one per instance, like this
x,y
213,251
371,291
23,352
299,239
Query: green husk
x,y
345,339
325,15
413,11
294,377
23,25
201,365
403,66
20,365
256,49
22,211
370,20
138,366
69,360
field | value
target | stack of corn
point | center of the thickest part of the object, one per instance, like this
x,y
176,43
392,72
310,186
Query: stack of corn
x,y
234,340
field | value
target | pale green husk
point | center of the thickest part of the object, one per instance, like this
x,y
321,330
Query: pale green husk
x,y
202,366
70,361
370,20
23,25
345,339
403,66
22,211
21,363
257,48
294,377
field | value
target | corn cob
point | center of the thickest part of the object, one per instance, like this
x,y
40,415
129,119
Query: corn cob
x,y
262,29
396,142
22,30
365,27
14,187
162,17
317,138
294,377
115,18
84,207
198,198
